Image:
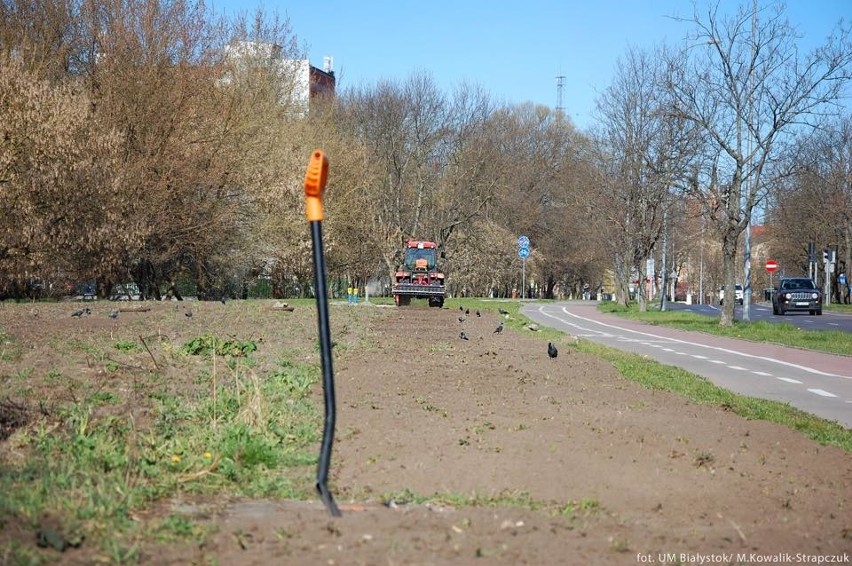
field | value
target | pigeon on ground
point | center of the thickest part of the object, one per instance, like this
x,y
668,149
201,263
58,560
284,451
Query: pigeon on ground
x,y
499,329
478,313
503,311
223,300
461,308
188,314
466,312
551,350
113,314
463,336
461,319
79,313
533,327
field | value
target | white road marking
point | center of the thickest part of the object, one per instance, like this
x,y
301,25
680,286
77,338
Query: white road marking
x,y
789,380
738,368
699,357
763,373
822,392
695,344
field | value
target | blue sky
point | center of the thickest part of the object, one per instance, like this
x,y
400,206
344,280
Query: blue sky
x,y
513,49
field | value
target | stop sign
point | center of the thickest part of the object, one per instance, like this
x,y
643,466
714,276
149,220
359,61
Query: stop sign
x,y
771,265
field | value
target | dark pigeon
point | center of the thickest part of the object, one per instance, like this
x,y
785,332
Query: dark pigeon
x,y
551,350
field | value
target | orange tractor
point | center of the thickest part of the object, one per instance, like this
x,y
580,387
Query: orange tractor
x,y
419,277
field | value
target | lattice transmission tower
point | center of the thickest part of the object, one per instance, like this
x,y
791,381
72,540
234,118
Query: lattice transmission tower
x,y
560,83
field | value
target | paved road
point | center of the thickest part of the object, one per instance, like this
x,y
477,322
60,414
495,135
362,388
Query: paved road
x,y
818,383
829,320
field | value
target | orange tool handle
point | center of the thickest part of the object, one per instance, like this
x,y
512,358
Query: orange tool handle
x,y
315,180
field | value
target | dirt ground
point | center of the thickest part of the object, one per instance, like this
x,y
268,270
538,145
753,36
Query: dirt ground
x,y
570,462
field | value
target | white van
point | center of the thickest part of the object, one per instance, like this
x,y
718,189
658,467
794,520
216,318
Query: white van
x,y
738,293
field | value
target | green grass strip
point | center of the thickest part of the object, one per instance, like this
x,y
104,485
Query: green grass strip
x,y
653,375
785,334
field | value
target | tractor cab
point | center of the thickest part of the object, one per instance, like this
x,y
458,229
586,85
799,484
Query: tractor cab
x,y
420,259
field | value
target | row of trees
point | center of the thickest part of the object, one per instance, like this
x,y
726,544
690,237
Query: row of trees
x,y
707,134
135,146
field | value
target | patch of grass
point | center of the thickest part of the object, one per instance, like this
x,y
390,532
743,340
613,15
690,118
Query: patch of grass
x,y
654,375
786,334
584,505
176,527
92,471
10,348
520,499
506,498
205,345
127,346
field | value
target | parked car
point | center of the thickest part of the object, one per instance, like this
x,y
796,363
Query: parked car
x,y
796,294
125,292
738,294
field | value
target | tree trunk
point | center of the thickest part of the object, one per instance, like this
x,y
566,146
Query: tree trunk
x,y
642,288
622,280
730,239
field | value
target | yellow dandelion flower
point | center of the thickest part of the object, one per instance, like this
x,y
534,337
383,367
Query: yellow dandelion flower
x,y
208,455
175,458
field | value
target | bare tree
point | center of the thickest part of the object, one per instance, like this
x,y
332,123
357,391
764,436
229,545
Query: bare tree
x,y
814,204
642,148
743,83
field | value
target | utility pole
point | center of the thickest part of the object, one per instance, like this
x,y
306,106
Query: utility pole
x,y
751,180
663,259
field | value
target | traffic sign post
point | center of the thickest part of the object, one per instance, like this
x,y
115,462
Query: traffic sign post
x,y
829,257
523,253
771,267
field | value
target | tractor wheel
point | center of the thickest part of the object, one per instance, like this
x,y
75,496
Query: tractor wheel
x,y
436,302
403,300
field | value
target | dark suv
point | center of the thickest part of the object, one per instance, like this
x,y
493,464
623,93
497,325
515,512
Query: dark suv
x,y
796,294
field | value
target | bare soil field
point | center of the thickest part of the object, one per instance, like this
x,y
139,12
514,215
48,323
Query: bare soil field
x,y
449,451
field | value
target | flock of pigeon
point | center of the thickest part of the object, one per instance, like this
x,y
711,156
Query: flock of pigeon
x,y
552,351
80,313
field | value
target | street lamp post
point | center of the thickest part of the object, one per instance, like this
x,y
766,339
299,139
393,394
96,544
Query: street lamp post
x,y
751,187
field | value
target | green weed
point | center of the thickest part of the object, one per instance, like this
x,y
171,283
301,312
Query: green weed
x,y
127,346
207,344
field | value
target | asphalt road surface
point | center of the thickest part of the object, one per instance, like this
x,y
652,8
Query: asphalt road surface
x,y
763,312
814,382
